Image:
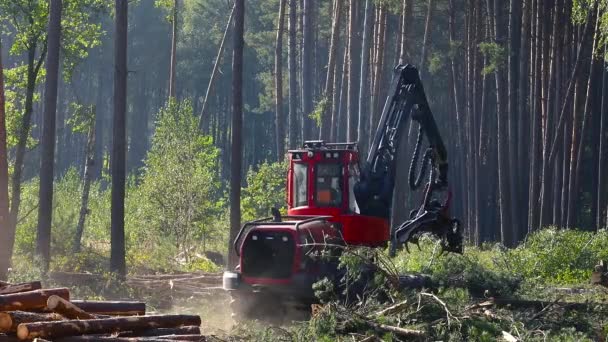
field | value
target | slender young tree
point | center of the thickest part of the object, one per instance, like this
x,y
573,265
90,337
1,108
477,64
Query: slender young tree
x,y
173,50
307,68
236,151
278,85
89,157
47,158
351,112
7,235
331,67
602,198
291,64
427,35
216,67
364,74
119,142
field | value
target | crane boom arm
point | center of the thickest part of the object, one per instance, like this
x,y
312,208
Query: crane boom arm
x,y
374,192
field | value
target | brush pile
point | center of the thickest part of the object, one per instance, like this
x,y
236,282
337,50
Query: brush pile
x,y
28,312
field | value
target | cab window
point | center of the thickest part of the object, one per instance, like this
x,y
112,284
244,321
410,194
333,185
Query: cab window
x,y
300,182
328,185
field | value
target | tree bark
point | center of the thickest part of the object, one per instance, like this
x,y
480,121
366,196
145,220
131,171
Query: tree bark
x,y
602,199
325,133
66,309
173,51
351,104
7,235
307,69
119,144
364,113
291,64
47,158
104,325
18,288
426,41
86,184
10,320
236,151
32,300
278,82
112,308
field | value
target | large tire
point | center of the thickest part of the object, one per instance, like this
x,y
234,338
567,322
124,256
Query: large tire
x,y
269,308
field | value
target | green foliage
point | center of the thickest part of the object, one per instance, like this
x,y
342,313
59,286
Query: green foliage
x,y
265,189
317,113
495,54
560,256
179,190
82,117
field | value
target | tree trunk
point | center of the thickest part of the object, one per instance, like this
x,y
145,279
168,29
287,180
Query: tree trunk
x,y
291,64
10,320
119,143
602,199
18,288
307,69
325,133
278,82
514,117
7,235
506,228
363,116
33,68
577,159
67,309
173,51
112,308
426,40
351,104
31,300
216,66
47,158
86,185
236,151
407,16
106,325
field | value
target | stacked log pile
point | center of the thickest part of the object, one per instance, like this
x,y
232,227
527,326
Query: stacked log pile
x,y
28,312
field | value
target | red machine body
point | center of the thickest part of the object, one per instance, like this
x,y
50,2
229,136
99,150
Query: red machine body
x,y
322,210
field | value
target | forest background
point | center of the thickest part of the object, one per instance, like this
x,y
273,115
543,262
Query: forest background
x,y
519,89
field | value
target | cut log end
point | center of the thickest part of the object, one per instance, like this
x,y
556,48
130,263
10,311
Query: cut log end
x,y
23,333
5,322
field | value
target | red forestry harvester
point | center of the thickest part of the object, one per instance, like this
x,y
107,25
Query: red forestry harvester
x,y
336,199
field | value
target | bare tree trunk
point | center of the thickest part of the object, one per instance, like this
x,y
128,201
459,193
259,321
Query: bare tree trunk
x,y
47,158
293,91
407,16
236,155
364,80
351,107
119,143
86,185
378,74
325,133
7,235
427,36
577,159
602,199
525,63
513,114
173,51
307,69
278,82
216,66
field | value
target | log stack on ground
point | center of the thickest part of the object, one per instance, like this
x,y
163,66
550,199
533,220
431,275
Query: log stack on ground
x,y
28,312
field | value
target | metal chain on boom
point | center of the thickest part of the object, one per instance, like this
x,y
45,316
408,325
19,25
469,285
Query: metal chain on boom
x,y
416,180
